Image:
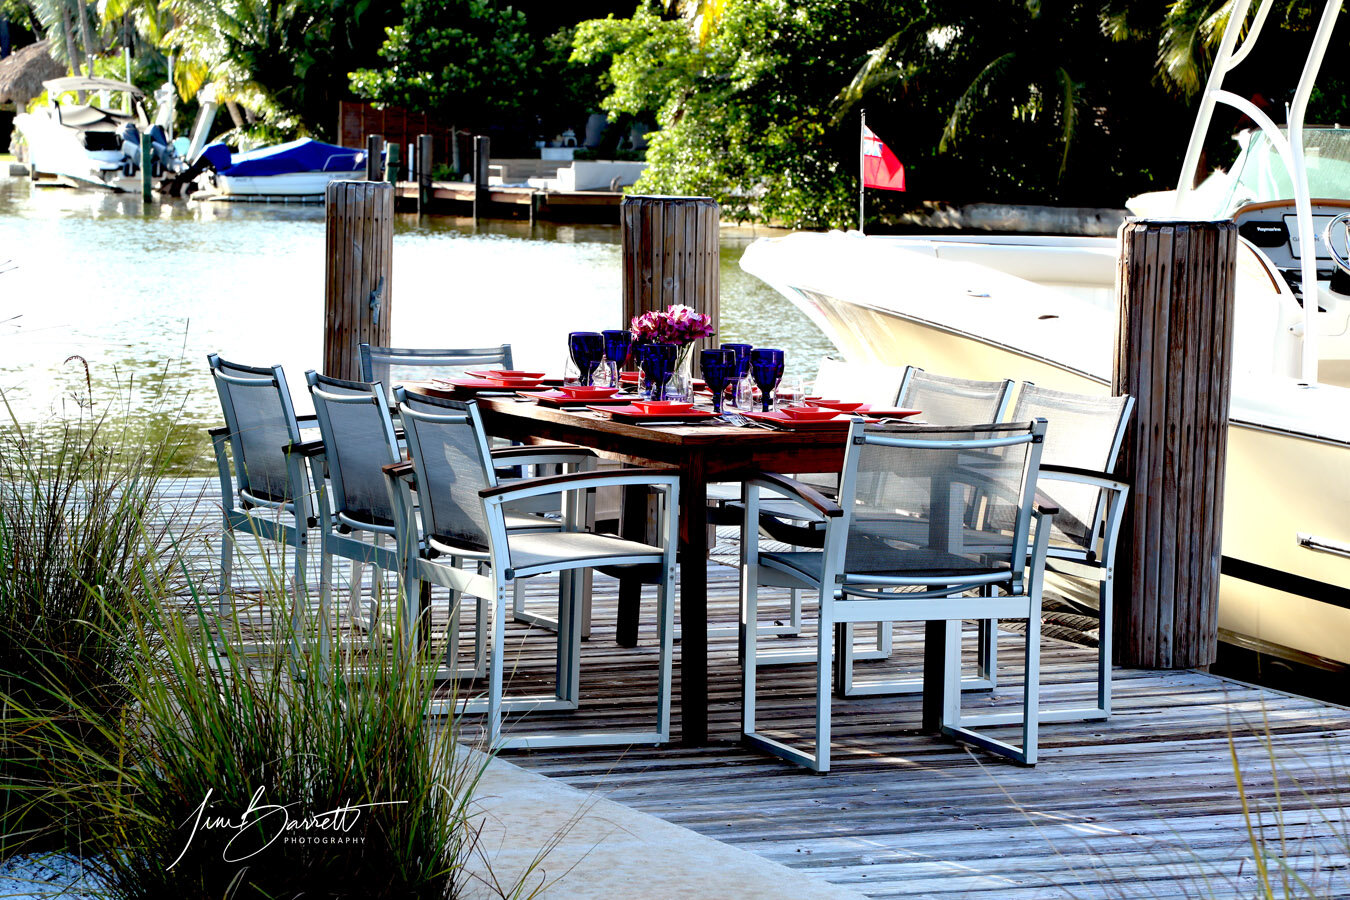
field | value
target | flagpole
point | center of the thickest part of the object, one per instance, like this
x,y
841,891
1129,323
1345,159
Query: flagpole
x,y
862,158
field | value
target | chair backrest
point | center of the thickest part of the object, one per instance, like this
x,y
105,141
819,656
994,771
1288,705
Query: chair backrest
x,y
953,401
950,503
257,406
358,440
872,383
393,365
451,458
1085,433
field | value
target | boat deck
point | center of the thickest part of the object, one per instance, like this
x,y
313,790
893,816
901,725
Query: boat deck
x,y
1143,805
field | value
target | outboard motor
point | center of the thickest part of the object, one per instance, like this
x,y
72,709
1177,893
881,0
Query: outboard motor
x,y
131,148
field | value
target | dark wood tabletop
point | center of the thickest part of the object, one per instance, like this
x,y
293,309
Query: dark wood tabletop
x,y
701,453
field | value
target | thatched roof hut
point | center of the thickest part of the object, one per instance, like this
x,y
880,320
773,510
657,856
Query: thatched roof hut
x,y
23,71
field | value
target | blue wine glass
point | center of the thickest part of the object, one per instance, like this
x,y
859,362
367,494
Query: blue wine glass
x,y
588,350
658,364
719,370
766,367
618,347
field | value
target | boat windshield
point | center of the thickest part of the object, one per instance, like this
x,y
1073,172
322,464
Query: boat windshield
x,y
1259,174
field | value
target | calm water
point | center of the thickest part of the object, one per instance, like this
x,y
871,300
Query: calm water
x,y
143,294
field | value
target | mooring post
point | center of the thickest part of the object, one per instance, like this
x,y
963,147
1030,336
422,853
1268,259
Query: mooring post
x,y
1174,355
425,153
147,165
358,272
391,164
482,149
670,254
374,157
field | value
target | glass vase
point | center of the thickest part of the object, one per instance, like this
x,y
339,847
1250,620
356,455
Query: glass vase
x,y
681,384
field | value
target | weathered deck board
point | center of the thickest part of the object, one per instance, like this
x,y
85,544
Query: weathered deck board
x,y
1141,806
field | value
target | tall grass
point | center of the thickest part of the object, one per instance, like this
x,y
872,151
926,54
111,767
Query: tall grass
x,y
80,548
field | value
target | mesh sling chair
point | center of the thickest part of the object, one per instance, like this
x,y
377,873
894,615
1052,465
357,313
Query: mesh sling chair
x,y
358,440
463,514
268,495
935,513
944,401
393,365
1077,462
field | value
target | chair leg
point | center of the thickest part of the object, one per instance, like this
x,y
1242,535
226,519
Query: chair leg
x,y
495,654
665,635
224,603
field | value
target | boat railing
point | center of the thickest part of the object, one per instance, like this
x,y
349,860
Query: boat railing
x,y
1289,147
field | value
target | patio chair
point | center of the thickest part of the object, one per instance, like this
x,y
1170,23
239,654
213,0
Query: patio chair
x,y
358,440
925,516
393,365
463,515
1077,463
944,401
267,496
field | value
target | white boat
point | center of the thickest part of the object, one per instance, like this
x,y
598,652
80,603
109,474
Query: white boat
x,y
82,141
1042,309
300,168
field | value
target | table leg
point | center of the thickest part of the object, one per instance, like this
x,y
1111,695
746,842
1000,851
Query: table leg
x,y
633,527
694,602
934,670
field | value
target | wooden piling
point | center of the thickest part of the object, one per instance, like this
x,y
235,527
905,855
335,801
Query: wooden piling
x,y
1174,355
425,142
670,254
358,272
147,166
374,157
482,155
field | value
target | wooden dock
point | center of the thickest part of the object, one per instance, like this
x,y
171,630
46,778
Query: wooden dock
x,y
506,201
1144,805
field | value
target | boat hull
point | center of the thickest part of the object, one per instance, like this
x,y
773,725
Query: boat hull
x,y
292,184
1274,594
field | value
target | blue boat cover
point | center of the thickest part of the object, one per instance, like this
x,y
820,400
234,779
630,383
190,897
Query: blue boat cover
x,y
304,155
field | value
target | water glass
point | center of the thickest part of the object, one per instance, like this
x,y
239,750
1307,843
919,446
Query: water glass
x,y
743,396
719,370
618,347
766,368
587,349
658,364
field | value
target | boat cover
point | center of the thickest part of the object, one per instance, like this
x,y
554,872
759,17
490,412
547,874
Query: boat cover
x,y
304,155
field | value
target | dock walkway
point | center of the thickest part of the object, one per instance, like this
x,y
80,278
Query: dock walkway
x,y
1144,805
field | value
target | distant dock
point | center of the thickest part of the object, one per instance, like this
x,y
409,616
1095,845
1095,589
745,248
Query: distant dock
x,y
516,202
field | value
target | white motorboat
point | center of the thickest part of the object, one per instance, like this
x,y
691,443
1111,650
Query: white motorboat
x,y
296,169
83,141
1042,309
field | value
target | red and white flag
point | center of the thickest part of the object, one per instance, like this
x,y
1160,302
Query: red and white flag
x,y
881,168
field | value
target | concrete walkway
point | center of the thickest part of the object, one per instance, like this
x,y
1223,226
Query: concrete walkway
x,y
606,851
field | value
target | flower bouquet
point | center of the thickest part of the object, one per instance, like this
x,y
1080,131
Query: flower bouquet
x,y
679,325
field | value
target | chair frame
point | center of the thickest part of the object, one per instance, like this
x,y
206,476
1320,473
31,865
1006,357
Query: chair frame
x,y
239,502
501,573
368,356
847,598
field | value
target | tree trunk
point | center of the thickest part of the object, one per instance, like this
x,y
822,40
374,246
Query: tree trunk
x,y
72,52
86,39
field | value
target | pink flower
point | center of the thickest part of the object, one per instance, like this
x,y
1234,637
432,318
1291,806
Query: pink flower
x,y
678,324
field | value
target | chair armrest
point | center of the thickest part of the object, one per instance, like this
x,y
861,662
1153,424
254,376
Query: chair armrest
x,y
1102,480
307,449
307,421
556,484
1047,509
538,449
400,469
218,431
803,493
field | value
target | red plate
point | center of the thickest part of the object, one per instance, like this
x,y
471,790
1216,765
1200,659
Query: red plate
x,y
484,384
499,374
557,398
841,405
809,413
631,413
777,418
582,392
880,412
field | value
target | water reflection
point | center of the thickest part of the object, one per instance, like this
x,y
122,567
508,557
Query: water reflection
x,y
144,292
